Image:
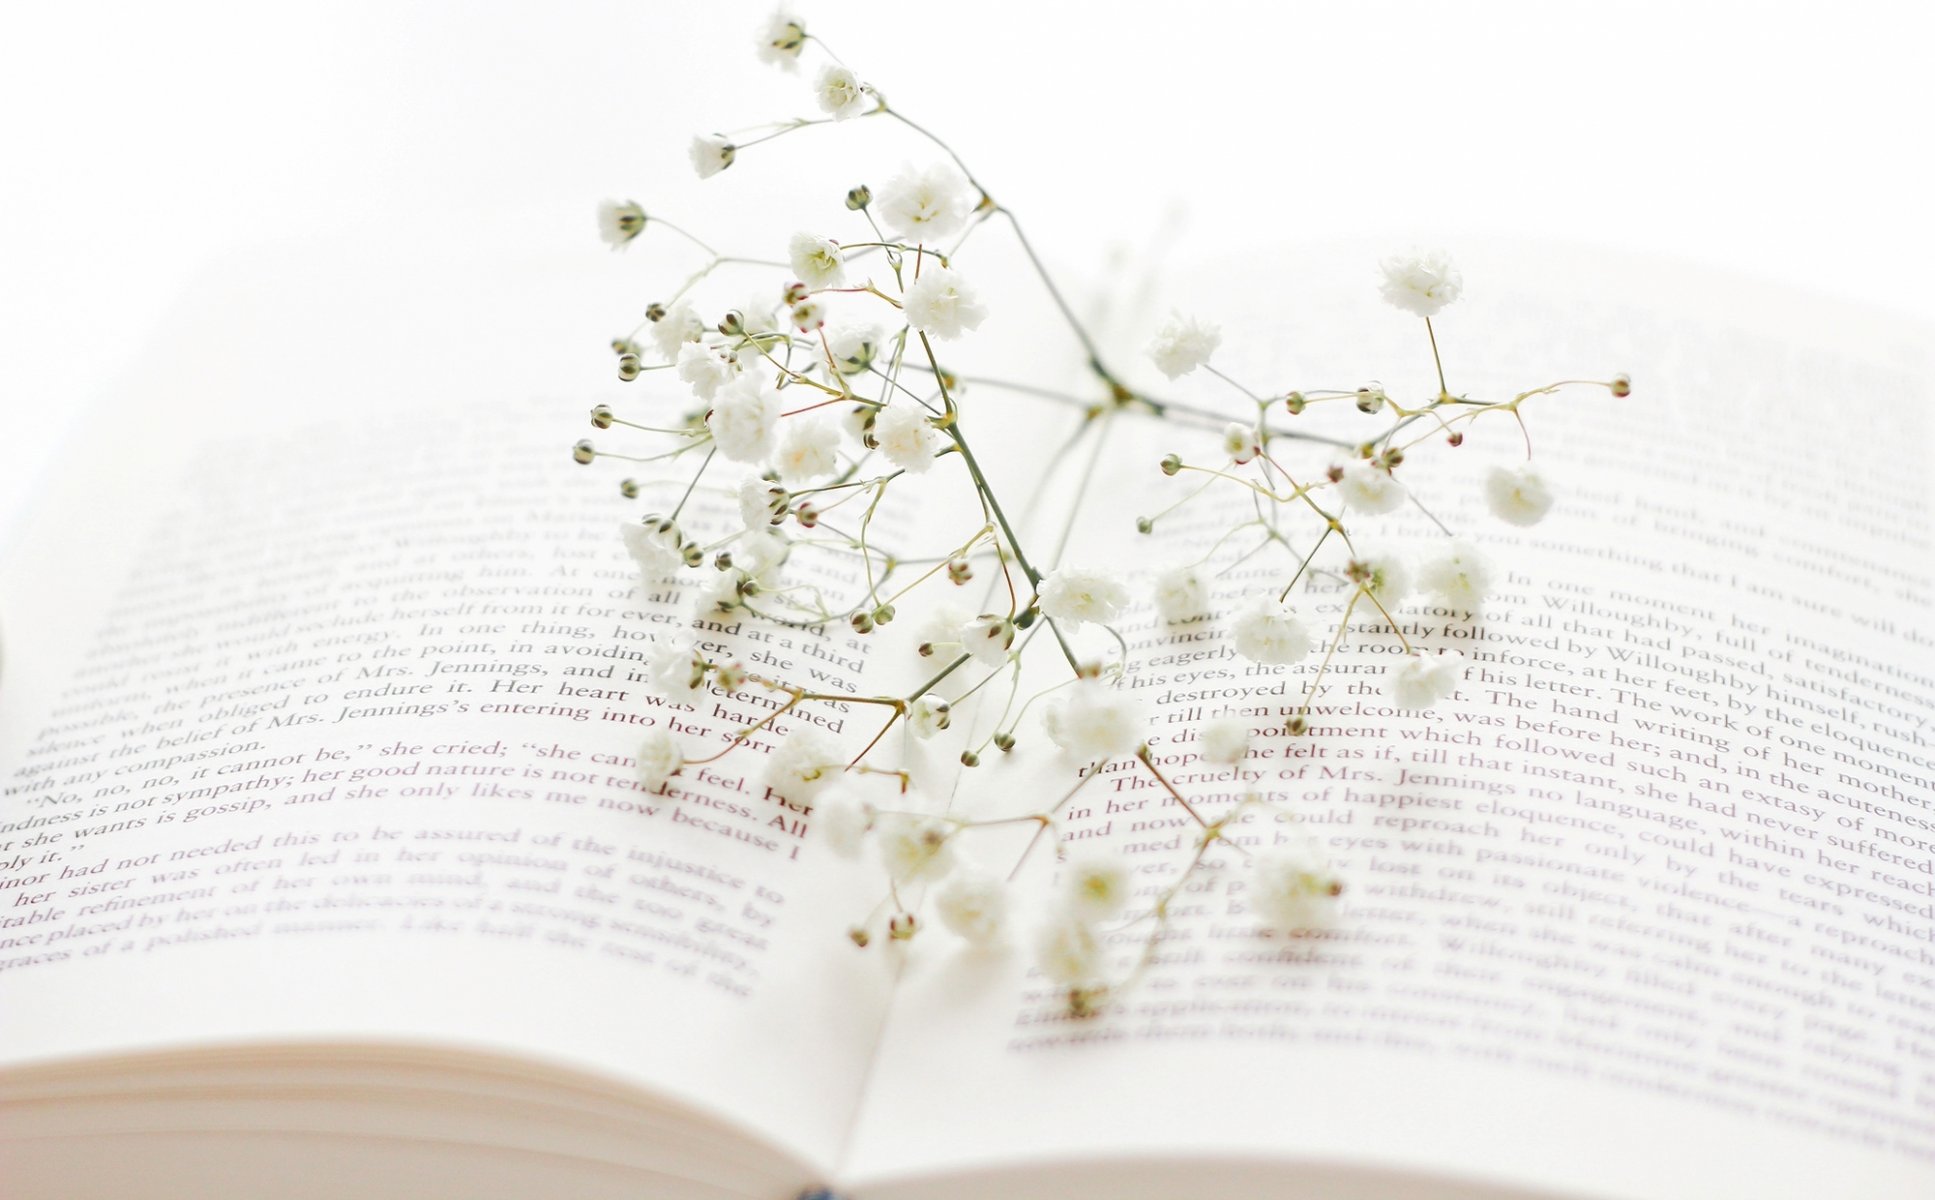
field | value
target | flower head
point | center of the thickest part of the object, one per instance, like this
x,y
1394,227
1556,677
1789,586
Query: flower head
x,y
654,545
743,418
1182,594
659,758
816,261
1461,575
1384,577
1267,630
974,904
674,667
1226,740
841,821
781,39
679,325
1241,442
711,154
1095,885
703,368
925,206
808,449
1183,344
941,303
1518,496
928,715
840,92
619,223
853,347
1076,596
1292,888
1093,721
915,848
904,435
987,637
804,761
761,504
1420,681
1370,489
1421,283
1068,951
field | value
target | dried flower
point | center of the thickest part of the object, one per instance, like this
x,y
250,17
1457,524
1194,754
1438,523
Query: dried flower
x,y
1421,282
1077,595
942,304
659,758
711,155
1183,344
840,92
1267,630
817,261
619,223
927,205
1518,496
1420,681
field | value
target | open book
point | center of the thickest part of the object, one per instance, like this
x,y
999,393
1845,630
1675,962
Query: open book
x,y
324,871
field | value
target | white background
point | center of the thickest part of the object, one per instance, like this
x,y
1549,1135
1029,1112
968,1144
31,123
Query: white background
x,y
139,144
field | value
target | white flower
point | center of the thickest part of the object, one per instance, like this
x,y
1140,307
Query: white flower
x,y
1369,489
780,40
1266,630
1068,951
659,758
941,303
1226,740
904,435
706,371
1093,721
756,316
915,848
759,554
761,504
1183,344
1420,682
1422,282
841,821
711,155
804,761
928,716
1182,594
742,419
1385,577
816,261
853,347
674,667
987,637
1462,576
1518,497
1241,442
1292,888
679,325
1095,885
1077,596
619,223
654,545
722,593
807,450
840,93
925,206
974,904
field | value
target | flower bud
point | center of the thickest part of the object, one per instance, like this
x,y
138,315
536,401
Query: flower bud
x,y
601,416
629,368
902,926
1171,464
655,312
970,759
858,198
1144,525
733,324
862,622
883,615
691,553
859,936
623,345
1004,741
1622,385
1456,437
1296,725
1370,399
732,676
959,571
806,514
795,293
722,561
1294,402
583,452
628,488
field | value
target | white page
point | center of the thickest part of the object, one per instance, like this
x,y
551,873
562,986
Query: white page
x,y
1600,987
315,530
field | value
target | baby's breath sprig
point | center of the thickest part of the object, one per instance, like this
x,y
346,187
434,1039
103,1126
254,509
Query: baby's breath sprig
x,y
823,392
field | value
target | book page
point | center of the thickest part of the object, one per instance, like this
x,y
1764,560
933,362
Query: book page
x,y
325,676
1643,912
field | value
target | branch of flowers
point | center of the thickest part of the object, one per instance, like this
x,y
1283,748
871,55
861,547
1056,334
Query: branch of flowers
x,y
1047,819
1305,564
1301,721
1388,618
696,476
1142,756
1444,393
1260,401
